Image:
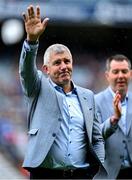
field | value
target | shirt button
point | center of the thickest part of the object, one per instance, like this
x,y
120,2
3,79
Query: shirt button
x,y
69,154
70,129
54,134
70,142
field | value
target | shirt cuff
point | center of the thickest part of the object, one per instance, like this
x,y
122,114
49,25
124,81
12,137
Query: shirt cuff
x,y
30,47
113,126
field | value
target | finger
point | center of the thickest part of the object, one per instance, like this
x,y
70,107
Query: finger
x,y
117,91
38,12
119,97
31,13
45,22
24,17
119,94
116,104
28,10
116,100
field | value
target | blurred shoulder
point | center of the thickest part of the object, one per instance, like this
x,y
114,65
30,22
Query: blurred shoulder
x,y
85,90
102,95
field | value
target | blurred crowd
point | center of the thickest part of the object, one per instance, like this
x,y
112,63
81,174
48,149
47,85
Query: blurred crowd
x,y
13,136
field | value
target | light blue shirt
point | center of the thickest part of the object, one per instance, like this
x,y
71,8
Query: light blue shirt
x,y
69,149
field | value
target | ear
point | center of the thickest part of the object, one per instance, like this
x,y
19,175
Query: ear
x,y
107,75
45,69
131,74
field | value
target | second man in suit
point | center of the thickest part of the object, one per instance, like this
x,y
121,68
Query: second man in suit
x,y
114,110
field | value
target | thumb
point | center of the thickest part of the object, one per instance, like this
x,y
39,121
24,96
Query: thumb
x,y
45,22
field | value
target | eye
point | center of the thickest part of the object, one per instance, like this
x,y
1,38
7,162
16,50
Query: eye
x,y
57,62
125,71
115,71
67,61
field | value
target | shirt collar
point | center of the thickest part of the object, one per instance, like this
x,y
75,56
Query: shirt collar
x,y
60,89
113,93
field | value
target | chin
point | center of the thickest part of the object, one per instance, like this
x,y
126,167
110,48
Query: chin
x,y
121,90
65,81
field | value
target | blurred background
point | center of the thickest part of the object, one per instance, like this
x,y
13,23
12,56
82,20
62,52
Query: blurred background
x,y
92,29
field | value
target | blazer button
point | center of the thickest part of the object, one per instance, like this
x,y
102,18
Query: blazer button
x,y
121,157
59,119
124,141
54,134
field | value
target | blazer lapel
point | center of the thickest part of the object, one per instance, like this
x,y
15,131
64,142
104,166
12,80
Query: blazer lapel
x,y
60,101
86,108
108,102
129,114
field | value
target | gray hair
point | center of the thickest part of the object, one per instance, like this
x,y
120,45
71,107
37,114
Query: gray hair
x,y
57,48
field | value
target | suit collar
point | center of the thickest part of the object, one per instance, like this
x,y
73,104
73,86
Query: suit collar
x,y
87,107
60,89
129,113
113,93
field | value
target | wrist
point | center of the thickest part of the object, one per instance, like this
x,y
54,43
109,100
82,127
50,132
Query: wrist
x,y
32,39
32,42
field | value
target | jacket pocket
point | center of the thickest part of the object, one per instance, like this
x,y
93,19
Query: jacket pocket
x,y
33,131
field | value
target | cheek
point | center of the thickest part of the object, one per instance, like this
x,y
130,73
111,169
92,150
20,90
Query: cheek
x,y
129,77
111,80
70,68
52,71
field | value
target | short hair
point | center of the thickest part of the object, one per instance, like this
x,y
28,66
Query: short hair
x,y
119,58
57,48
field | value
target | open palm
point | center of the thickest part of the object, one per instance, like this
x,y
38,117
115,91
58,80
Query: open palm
x,y
33,25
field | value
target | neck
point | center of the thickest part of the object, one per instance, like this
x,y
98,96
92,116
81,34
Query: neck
x,y
123,95
67,87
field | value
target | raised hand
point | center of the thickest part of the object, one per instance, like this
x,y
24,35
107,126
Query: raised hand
x,y
117,108
33,25
117,105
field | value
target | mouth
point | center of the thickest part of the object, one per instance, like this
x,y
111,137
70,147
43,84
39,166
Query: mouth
x,y
64,74
121,83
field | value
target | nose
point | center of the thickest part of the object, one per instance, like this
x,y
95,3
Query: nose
x,y
63,65
120,74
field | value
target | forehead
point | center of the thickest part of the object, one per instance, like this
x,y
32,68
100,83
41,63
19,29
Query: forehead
x,y
119,64
60,55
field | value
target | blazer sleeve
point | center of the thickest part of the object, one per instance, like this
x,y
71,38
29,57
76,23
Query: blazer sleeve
x,y
29,75
107,128
97,139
